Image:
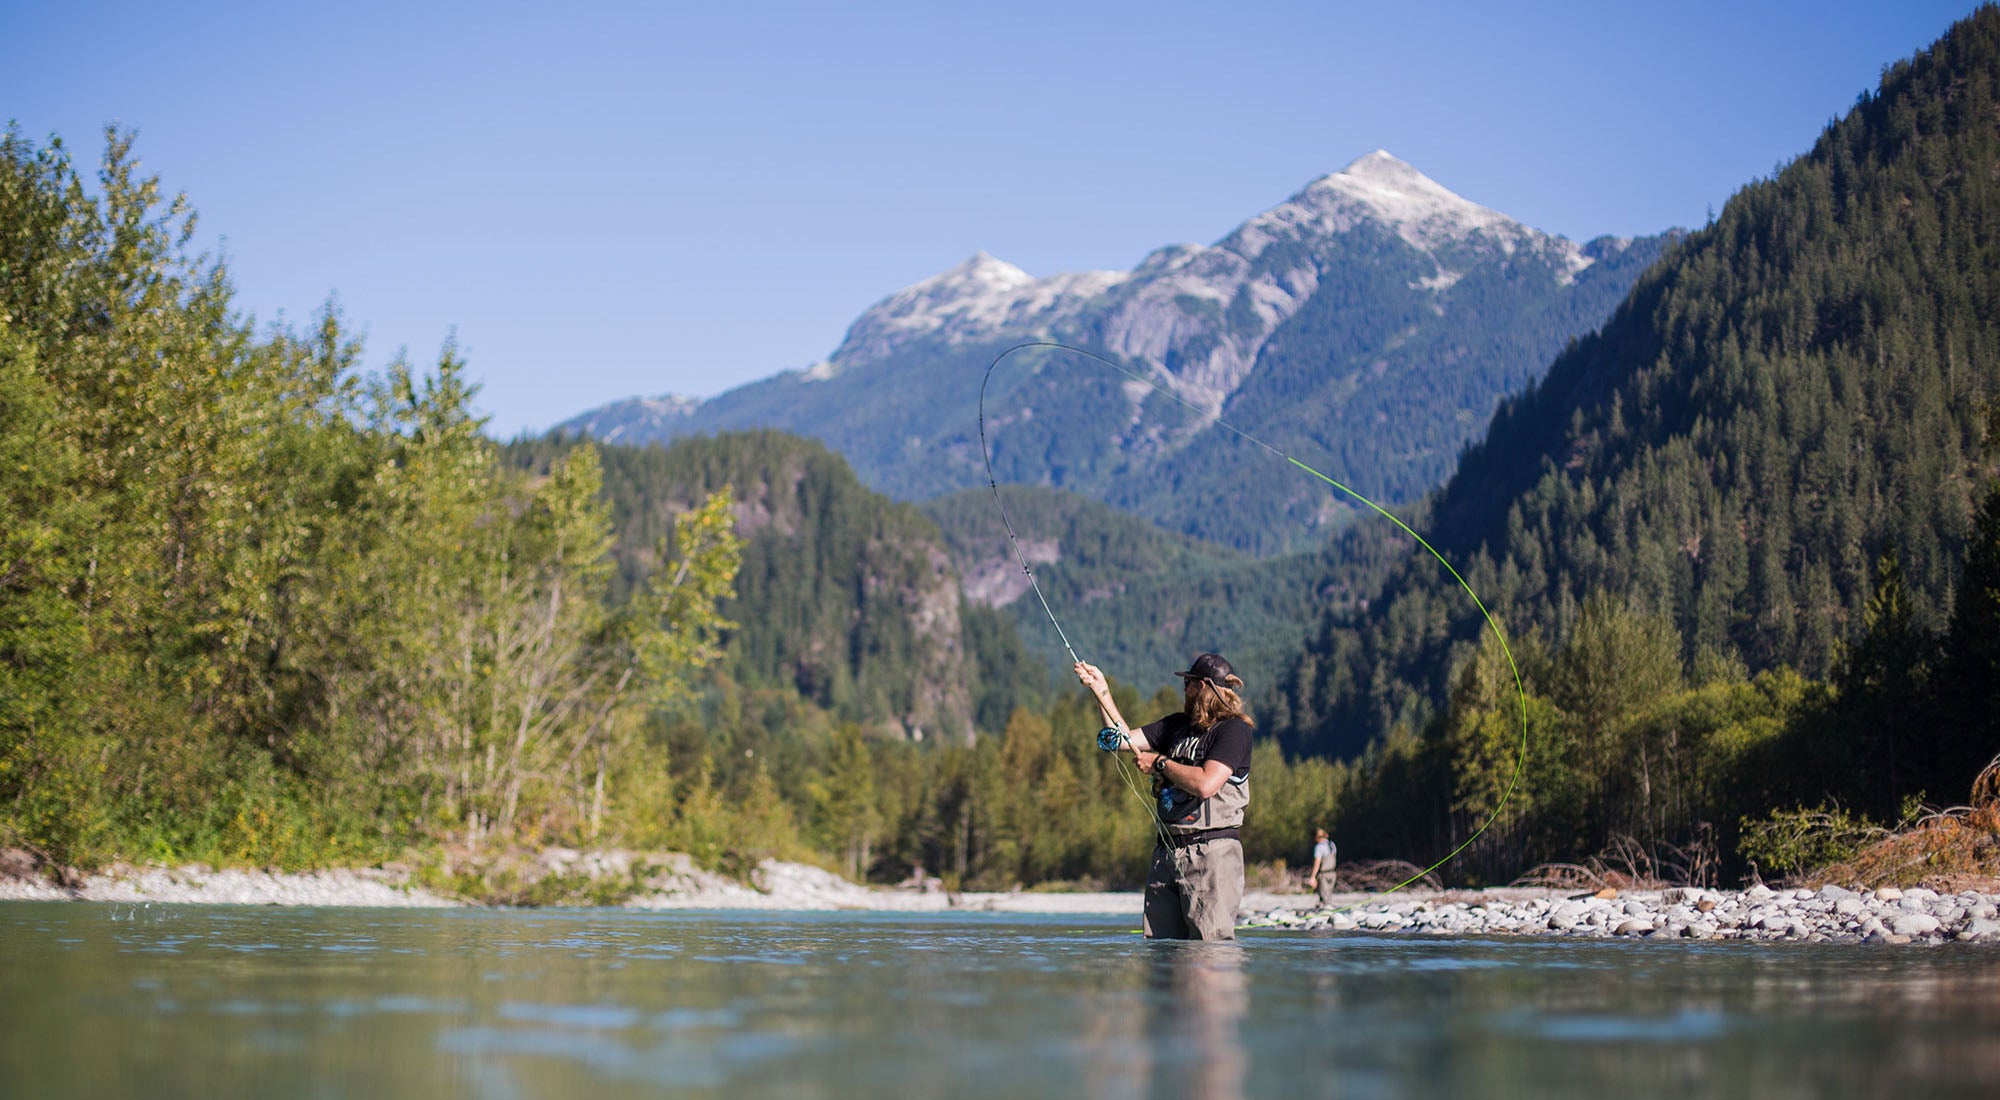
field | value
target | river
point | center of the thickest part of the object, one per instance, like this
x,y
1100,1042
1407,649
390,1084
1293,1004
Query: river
x,y
101,1000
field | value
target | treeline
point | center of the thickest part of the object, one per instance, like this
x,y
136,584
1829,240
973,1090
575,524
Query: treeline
x,y
1689,770
255,607
1033,803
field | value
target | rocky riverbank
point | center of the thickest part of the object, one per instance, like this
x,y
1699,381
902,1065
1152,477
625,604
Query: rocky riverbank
x,y
1830,914
659,880
359,887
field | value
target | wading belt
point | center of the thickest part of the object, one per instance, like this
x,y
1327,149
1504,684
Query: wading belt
x,y
1189,840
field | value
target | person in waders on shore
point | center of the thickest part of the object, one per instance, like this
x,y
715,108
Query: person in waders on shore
x,y
1199,759
1322,877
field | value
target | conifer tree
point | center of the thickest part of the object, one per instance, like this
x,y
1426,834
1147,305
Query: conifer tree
x,y
1969,729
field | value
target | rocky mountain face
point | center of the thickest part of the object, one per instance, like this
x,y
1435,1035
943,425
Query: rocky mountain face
x,y
1369,323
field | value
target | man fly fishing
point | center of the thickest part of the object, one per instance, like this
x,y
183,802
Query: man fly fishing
x,y
1199,759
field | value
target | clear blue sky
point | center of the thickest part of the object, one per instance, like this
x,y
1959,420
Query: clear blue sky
x,y
605,200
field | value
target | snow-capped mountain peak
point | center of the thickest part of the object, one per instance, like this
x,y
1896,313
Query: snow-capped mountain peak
x,y
977,298
1423,211
635,418
1146,311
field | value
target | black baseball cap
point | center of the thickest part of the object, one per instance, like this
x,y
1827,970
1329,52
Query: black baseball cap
x,y
1212,669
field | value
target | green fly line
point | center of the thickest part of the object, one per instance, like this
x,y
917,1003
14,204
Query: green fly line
x,y
1128,771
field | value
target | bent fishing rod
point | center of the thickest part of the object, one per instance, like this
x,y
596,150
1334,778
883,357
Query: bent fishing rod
x,y
1113,739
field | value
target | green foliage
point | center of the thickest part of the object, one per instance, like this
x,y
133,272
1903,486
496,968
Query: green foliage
x,y
257,609
685,597
1792,842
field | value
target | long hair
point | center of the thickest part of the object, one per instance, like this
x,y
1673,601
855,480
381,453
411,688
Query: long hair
x,y
1212,704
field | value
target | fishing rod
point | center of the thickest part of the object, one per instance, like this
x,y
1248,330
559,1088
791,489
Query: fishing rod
x,y
1120,738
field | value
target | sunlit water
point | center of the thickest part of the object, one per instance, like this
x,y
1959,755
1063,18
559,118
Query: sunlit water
x,y
165,1001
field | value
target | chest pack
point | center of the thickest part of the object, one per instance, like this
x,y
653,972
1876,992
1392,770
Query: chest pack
x,y
1182,812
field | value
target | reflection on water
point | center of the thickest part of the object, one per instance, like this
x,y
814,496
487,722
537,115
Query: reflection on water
x,y
167,1001
1201,998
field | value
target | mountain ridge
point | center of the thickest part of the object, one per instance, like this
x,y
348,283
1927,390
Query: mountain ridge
x,y
984,296
1316,316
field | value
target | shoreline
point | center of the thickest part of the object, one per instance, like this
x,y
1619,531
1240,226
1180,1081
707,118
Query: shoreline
x,y
666,881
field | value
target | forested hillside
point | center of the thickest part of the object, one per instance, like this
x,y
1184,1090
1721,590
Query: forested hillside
x,y
1134,599
1771,454
845,596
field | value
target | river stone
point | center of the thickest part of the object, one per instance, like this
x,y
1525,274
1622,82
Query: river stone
x,y
1705,905
1913,924
1980,928
1849,906
1886,937
1636,909
1632,928
1888,893
1760,892
1830,892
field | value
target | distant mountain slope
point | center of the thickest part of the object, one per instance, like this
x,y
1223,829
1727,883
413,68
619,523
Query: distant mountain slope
x,y
1132,598
1372,321
843,595
1790,392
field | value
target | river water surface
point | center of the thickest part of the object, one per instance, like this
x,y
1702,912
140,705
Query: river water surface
x,y
170,1001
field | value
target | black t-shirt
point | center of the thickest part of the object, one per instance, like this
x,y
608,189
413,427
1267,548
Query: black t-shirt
x,y
1227,741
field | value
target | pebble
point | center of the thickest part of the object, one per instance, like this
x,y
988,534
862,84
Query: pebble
x,y
1831,914
1913,924
1980,928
